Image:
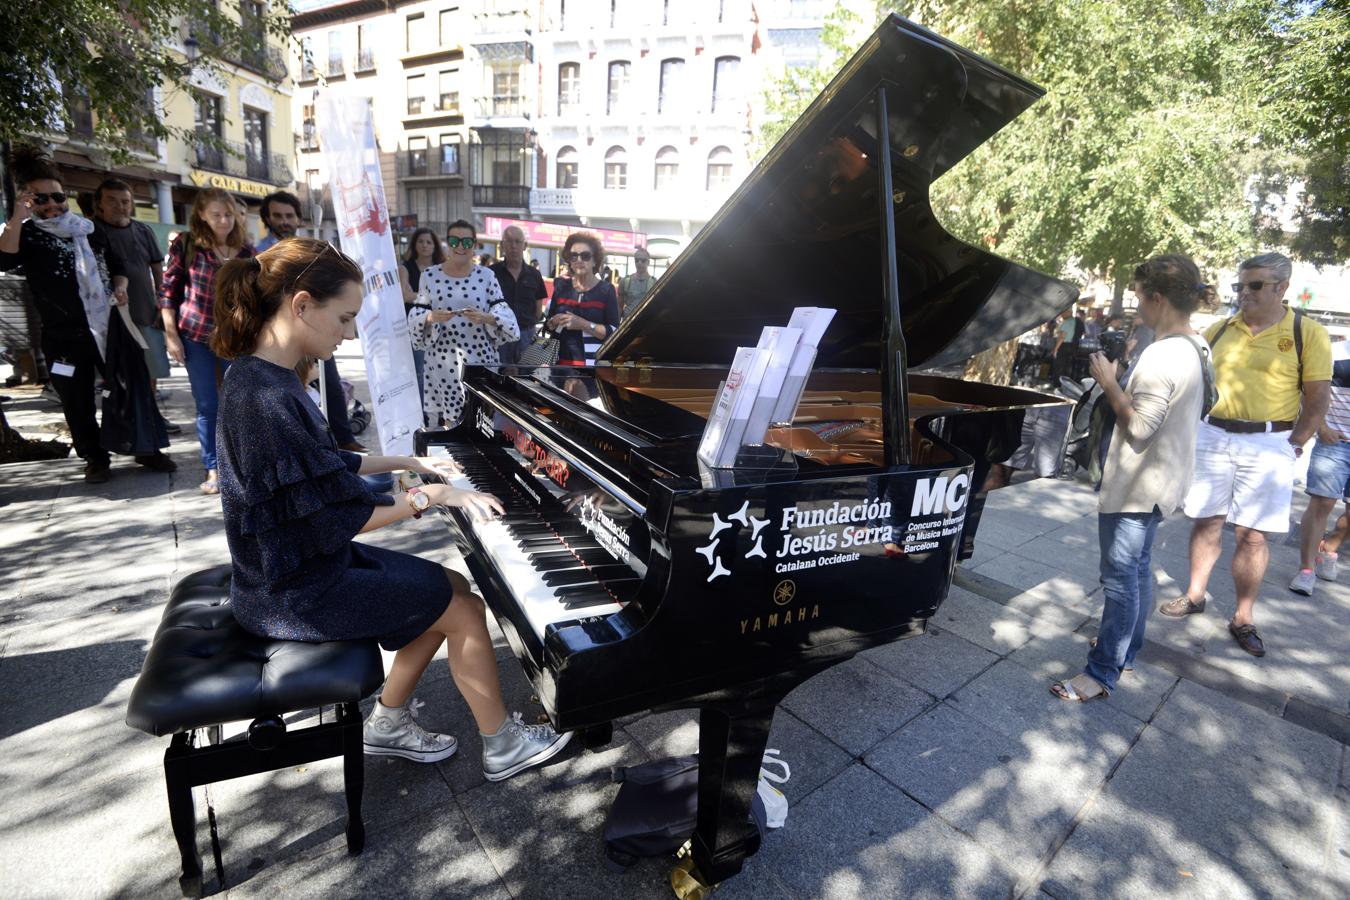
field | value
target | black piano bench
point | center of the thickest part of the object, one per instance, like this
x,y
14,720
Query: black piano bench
x,y
204,670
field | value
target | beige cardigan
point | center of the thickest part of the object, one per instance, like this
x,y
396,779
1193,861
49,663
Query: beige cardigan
x,y
1151,462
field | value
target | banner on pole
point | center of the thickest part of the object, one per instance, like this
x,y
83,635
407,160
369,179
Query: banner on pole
x,y
353,163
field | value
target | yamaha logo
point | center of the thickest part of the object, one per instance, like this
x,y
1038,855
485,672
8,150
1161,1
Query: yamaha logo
x,y
784,591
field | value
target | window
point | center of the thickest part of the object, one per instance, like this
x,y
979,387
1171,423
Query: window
x,y
618,87
365,48
726,84
255,143
307,72
672,82
335,64
447,27
313,182
449,97
569,87
309,134
506,92
417,156
567,168
616,169
413,32
719,169
417,93
613,12
562,14
667,168
207,121
449,162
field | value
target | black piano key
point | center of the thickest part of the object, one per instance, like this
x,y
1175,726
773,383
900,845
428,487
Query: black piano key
x,y
591,596
584,575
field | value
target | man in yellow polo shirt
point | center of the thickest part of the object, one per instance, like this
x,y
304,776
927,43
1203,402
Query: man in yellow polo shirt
x,y
1272,400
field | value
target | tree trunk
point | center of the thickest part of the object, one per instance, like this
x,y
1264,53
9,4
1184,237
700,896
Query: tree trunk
x,y
1118,297
993,366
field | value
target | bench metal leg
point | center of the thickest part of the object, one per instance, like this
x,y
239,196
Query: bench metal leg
x,y
354,774
182,812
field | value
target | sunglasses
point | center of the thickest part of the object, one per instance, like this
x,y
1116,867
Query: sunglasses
x,y
582,255
465,242
54,197
1252,286
327,245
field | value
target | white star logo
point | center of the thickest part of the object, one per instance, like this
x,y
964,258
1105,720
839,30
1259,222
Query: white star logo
x,y
757,550
739,515
718,569
757,525
718,526
709,551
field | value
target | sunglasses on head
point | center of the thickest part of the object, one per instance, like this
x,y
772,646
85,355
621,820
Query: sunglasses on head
x,y
327,245
1252,286
465,242
583,255
54,197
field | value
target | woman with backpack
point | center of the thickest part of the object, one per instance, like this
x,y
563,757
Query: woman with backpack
x,y
1149,464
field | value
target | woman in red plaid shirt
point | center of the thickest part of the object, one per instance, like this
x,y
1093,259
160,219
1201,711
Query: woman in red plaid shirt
x,y
215,235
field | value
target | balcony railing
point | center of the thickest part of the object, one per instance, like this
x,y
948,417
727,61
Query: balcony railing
x,y
501,196
230,158
425,164
502,105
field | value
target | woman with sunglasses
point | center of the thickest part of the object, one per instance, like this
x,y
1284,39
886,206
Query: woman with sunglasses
x,y
460,319
585,308
76,280
215,235
293,506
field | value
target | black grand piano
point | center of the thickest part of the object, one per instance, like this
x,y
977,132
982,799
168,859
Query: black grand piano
x,y
627,576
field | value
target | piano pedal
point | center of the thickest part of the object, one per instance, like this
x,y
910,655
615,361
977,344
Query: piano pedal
x,y
685,879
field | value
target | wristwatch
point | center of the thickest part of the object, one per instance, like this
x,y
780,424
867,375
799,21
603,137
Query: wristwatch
x,y
419,500
1298,448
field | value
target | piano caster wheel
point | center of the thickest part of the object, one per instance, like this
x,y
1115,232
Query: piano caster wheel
x,y
686,881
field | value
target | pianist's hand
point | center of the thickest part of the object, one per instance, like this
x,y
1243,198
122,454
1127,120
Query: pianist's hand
x,y
480,507
440,466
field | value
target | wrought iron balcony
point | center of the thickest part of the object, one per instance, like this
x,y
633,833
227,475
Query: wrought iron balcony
x,y
231,158
511,105
501,196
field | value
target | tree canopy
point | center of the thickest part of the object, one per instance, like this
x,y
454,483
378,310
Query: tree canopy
x,y
66,57
1156,121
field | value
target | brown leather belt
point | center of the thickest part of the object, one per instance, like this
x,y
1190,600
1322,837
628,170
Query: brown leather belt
x,y
1239,426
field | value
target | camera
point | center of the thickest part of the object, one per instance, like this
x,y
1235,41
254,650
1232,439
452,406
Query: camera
x,y
1113,344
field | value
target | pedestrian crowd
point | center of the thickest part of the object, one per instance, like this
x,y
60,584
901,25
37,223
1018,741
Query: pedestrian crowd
x,y
1213,425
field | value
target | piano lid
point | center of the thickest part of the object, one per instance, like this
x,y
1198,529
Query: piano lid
x,y
804,229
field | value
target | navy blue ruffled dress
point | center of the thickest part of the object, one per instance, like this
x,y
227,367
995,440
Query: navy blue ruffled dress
x,y
293,503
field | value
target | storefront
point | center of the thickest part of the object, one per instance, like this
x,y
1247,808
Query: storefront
x,y
545,240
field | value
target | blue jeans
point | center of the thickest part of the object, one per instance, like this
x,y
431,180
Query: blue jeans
x,y
1126,541
205,370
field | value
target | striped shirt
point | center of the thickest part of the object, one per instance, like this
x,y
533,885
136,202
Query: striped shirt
x,y
190,289
599,303
1338,414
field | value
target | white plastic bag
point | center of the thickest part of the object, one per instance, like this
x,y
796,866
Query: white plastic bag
x,y
775,803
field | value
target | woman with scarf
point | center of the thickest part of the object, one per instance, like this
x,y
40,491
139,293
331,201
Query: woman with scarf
x,y
215,235
77,282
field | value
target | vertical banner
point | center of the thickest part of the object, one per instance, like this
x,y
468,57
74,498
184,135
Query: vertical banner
x,y
353,162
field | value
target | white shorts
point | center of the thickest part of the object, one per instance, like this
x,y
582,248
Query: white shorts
x,y
1248,478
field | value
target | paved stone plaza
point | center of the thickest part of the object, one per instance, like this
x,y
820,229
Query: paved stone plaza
x,y
939,767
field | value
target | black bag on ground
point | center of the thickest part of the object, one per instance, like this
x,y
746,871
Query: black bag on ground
x,y
656,811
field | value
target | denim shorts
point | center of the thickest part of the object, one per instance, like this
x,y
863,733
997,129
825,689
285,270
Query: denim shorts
x,y
1329,470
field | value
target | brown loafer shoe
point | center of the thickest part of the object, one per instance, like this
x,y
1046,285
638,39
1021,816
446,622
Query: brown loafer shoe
x,y
157,462
1181,607
1247,638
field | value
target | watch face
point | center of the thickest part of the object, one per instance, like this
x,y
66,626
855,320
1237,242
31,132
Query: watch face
x,y
420,501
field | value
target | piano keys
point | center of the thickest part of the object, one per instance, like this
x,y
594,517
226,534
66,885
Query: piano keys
x,y
626,575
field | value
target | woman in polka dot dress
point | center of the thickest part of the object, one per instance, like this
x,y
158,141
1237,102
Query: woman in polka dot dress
x,y
460,319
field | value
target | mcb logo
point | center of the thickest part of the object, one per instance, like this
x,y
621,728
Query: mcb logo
x,y
930,493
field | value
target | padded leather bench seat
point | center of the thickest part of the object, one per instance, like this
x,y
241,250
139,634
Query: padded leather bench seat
x,y
203,670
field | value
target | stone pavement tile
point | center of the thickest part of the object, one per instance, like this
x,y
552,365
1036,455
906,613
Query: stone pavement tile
x,y
543,830
111,839
1058,657
985,551
1252,739
666,734
1337,871
433,854
982,622
1071,549
1015,797
856,704
937,662
1267,828
1014,701
1001,532
1191,634
860,837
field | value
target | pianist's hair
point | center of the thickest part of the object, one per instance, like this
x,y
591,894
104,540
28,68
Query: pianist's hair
x,y
1177,278
592,243
31,164
249,292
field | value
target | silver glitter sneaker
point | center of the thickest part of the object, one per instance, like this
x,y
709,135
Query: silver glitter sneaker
x,y
392,731
517,746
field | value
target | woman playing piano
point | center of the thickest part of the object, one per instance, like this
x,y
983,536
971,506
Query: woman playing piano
x,y
293,504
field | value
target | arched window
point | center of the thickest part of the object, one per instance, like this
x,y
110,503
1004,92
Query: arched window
x,y
726,84
616,169
569,87
567,168
719,168
617,99
667,168
671,97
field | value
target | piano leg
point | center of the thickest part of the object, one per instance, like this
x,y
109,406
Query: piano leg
x,y
731,742
597,736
